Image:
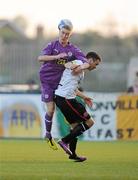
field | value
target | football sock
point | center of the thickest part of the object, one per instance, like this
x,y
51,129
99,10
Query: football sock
x,y
77,131
73,145
48,124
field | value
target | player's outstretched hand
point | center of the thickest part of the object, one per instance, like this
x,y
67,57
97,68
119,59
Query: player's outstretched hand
x,y
88,101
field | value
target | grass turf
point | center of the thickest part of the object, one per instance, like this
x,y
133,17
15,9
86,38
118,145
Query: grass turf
x,y
34,160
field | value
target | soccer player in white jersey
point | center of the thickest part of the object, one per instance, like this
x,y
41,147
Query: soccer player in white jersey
x,y
74,112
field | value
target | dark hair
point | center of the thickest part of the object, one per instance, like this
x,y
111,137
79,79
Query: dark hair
x,y
93,55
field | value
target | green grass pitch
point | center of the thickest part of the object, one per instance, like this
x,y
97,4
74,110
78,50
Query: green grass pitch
x,y
34,160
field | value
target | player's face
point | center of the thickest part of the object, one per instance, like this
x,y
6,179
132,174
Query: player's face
x,y
64,35
93,64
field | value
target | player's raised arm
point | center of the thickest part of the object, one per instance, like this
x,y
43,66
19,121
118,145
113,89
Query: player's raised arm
x,y
80,68
43,58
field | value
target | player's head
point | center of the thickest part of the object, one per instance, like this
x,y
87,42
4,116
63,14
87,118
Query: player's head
x,y
93,59
65,30
66,24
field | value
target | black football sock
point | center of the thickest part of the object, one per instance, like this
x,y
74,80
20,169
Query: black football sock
x,y
77,131
73,145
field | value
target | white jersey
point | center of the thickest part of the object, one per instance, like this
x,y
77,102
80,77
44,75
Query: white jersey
x,y
69,83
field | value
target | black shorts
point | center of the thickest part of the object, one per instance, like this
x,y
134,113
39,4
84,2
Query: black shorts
x,y
72,109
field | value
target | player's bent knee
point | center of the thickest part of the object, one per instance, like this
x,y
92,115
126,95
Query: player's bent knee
x,y
90,122
50,113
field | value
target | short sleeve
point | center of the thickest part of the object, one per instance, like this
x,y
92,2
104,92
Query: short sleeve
x,y
48,49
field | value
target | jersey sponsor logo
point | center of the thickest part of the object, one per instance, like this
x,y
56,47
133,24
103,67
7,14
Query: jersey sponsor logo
x,y
61,61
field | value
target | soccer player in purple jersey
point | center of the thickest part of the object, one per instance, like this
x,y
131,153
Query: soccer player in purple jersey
x,y
53,58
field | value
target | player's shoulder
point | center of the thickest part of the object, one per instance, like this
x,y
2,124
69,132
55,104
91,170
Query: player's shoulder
x,y
53,42
75,48
73,45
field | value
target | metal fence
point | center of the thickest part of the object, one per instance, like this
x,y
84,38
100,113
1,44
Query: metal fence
x,y
18,65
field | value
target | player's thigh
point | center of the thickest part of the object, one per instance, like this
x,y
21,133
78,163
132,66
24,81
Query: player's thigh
x,y
78,110
65,108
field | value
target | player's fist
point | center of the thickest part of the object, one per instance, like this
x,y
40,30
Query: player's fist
x,y
61,55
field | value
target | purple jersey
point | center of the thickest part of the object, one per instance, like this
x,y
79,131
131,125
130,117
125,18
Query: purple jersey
x,y
51,71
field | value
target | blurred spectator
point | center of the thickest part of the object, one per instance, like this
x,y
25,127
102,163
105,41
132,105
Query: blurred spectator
x,y
134,87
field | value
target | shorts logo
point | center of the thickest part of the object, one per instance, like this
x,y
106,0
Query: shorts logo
x,y
85,114
46,96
